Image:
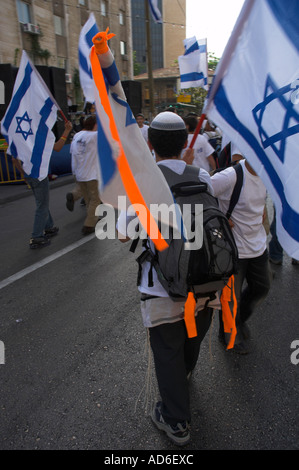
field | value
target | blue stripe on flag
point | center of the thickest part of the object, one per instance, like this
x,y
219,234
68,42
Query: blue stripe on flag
x,y
192,77
129,115
107,162
13,150
194,47
289,218
90,34
287,16
155,10
18,96
84,64
41,138
111,74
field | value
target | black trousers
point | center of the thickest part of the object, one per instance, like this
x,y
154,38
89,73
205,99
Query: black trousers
x,y
256,273
175,355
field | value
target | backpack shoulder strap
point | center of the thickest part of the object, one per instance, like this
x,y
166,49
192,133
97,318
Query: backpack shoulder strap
x,y
237,190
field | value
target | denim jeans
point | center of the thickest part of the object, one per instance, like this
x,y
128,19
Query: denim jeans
x,y
42,219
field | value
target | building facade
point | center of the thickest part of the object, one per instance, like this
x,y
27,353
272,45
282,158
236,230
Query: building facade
x,y
166,45
166,38
48,30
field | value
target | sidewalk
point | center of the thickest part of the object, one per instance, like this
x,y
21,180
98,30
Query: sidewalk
x,y
11,192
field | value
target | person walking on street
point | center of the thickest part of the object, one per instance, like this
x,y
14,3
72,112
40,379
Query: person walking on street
x,y
251,239
84,150
175,354
143,127
203,151
43,226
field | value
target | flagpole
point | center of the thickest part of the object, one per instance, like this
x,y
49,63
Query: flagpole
x,y
149,58
224,62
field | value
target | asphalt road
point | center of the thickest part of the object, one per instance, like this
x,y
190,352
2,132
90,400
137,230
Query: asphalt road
x,y
76,360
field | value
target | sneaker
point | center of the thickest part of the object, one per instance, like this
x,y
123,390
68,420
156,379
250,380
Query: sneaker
x,y
179,434
50,232
70,202
39,242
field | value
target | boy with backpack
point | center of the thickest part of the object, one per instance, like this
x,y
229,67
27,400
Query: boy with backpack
x,y
175,353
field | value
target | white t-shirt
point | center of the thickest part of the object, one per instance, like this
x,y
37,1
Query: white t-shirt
x,y
144,131
247,216
84,150
202,150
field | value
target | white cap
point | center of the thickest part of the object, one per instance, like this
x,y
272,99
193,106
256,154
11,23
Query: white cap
x,y
168,121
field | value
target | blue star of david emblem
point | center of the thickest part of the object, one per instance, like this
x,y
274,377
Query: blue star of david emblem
x,y
24,119
290,120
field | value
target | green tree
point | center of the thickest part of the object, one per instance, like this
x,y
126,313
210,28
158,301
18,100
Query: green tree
x,y
212,61
36,49
198,96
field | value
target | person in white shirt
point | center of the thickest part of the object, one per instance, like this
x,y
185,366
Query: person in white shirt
x,y
175,354
203,151
143,127
251,240
84,151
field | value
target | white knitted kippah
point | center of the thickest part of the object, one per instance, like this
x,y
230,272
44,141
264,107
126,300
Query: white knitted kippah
x,y
168,121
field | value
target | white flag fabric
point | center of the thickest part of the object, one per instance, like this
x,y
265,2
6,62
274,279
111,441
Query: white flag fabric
x,y
156,14
28,121
88,31
127,167
255,101
193,64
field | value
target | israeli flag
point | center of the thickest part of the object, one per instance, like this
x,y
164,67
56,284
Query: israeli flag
x,y
255,101
156,14
88,31
126,164
28,121
193,64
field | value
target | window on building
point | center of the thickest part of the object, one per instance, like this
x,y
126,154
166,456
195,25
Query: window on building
x,y
123,47
62,63
121,17
23,12
103,8
58,25
82,2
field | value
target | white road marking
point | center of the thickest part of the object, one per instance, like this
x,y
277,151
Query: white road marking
x,y
49,259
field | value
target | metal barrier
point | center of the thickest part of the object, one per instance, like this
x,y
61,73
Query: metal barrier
x,y
8,170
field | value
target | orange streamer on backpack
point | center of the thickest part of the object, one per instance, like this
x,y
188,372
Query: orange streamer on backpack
x,y
190,316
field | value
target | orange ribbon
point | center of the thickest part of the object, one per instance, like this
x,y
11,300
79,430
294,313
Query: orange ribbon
x,y
189,317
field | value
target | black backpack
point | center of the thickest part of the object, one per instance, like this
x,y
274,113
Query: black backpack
x,y
201,271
